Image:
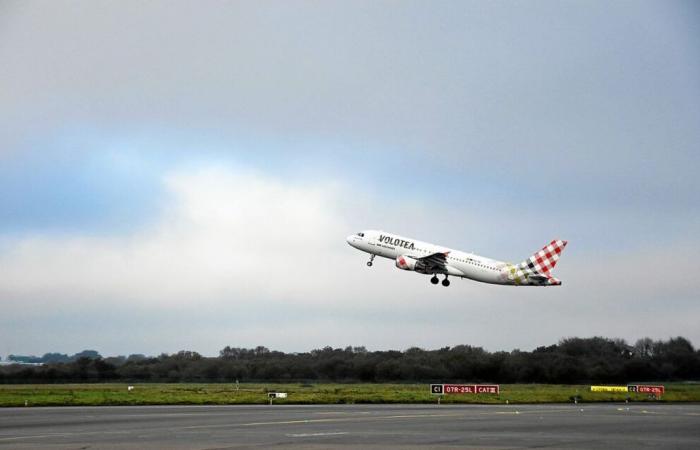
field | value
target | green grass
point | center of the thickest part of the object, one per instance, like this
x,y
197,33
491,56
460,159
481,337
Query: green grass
x,y
227,394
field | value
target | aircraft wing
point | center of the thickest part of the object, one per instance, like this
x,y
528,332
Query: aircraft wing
x,y
435,262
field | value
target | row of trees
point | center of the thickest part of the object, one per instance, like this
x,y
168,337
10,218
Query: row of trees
x,y
53,357
572,360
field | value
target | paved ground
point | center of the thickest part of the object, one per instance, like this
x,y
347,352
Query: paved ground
x,y
605,426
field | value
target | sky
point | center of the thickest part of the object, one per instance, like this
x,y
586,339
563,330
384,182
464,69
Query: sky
x,y
182,175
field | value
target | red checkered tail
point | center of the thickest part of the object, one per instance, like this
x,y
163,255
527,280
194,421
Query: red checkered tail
x,y
544,261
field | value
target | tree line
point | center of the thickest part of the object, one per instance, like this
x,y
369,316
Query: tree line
x,y
570,361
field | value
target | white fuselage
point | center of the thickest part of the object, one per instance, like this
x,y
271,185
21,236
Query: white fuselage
x,y
458,263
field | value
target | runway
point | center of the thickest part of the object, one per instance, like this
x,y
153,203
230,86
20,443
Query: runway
x,y
589,426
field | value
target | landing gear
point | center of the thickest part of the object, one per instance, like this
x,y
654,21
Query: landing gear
x,y
435,280
371,258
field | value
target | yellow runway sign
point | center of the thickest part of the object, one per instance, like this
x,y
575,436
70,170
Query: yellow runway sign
x,y
608,388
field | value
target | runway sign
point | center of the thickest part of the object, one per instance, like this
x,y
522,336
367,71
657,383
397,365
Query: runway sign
x,y
460,389
608,388
487,389
277,395
440,389
646,389
638,388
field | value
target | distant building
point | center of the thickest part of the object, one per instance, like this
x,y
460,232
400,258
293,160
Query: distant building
x,y
19,363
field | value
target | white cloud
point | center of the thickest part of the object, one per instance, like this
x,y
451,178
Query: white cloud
x,y
228,235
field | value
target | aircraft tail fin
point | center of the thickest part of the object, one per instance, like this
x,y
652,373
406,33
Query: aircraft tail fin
x,y
543,261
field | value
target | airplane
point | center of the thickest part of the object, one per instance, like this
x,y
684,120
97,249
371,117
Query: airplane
x,y
429,259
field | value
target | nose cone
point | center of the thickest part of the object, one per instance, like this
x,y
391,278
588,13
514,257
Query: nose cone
x,y
354,241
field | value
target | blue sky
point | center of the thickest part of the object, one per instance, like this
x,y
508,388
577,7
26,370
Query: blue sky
x,y
142,143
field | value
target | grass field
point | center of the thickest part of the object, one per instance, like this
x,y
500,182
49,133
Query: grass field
x,y
228,394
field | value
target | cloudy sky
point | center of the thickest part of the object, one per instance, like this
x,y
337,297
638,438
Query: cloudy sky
x,y
182,175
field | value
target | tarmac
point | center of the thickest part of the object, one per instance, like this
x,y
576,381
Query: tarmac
x,y
582,426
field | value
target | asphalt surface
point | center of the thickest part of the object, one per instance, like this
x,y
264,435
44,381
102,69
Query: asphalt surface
x,y
617,426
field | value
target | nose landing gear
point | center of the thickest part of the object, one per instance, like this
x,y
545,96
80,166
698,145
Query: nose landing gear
x,y
371,258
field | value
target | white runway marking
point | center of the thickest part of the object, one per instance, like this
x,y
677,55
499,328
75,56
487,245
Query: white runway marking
x,y
316,434
55,435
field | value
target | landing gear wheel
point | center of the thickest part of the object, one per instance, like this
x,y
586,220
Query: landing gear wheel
x,y
445,282
434,280
371,258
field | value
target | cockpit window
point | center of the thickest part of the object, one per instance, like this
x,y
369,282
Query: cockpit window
x,y
361,234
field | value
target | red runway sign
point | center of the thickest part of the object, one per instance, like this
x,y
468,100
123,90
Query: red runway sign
x,y
646,389
459,389
465,388
487,388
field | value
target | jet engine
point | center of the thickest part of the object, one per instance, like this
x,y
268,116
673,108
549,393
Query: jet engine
x,y
405,262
